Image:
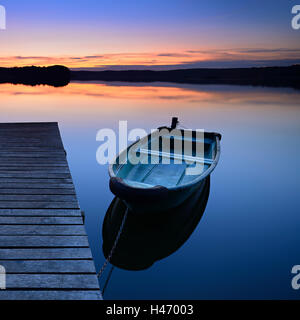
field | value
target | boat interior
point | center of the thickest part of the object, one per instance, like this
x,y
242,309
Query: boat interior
x,y
165,159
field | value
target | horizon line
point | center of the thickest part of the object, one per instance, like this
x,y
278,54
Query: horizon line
x,y
289,63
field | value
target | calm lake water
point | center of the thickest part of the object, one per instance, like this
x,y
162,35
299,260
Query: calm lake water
x,y
248,239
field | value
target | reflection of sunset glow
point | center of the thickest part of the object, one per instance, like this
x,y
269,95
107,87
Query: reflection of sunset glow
x,y
104,91
155,92
99,105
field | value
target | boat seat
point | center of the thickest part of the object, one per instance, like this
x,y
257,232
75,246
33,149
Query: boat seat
x,y
186,158
138,184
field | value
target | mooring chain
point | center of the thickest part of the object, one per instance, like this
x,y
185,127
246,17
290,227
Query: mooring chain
x,y
114,245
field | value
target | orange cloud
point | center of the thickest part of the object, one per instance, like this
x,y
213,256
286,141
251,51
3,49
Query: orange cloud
x,y
155,58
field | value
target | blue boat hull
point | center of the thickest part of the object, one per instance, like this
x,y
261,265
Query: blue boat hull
x,y
157,199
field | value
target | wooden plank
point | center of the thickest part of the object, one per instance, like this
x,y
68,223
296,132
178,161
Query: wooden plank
x,y
30,131
50,295
36,180
29,124
45,253
31,161
38,197
40,212
19,191
41,230
48,266
61,169
20,139
26,144
40,220
23,164
24,131
28,149
47,186
26,126
60,155
44,137
34,174
34,166
34,150
23,139
53,281
31,142
38,205
43,241
22,136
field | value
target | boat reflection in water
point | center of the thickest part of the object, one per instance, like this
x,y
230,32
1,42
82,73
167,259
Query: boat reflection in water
x,y
146,239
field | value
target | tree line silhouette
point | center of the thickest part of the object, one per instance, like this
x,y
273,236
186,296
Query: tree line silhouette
x,y
60,76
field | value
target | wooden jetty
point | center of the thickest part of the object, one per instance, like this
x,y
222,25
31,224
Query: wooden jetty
x,y
43,243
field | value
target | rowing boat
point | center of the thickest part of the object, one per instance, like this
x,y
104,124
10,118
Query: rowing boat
x,y
163,169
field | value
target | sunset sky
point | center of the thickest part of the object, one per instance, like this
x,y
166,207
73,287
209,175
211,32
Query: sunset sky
x,y
157,34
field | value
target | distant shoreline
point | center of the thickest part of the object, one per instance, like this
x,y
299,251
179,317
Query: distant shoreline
x,y
61,76
264,76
